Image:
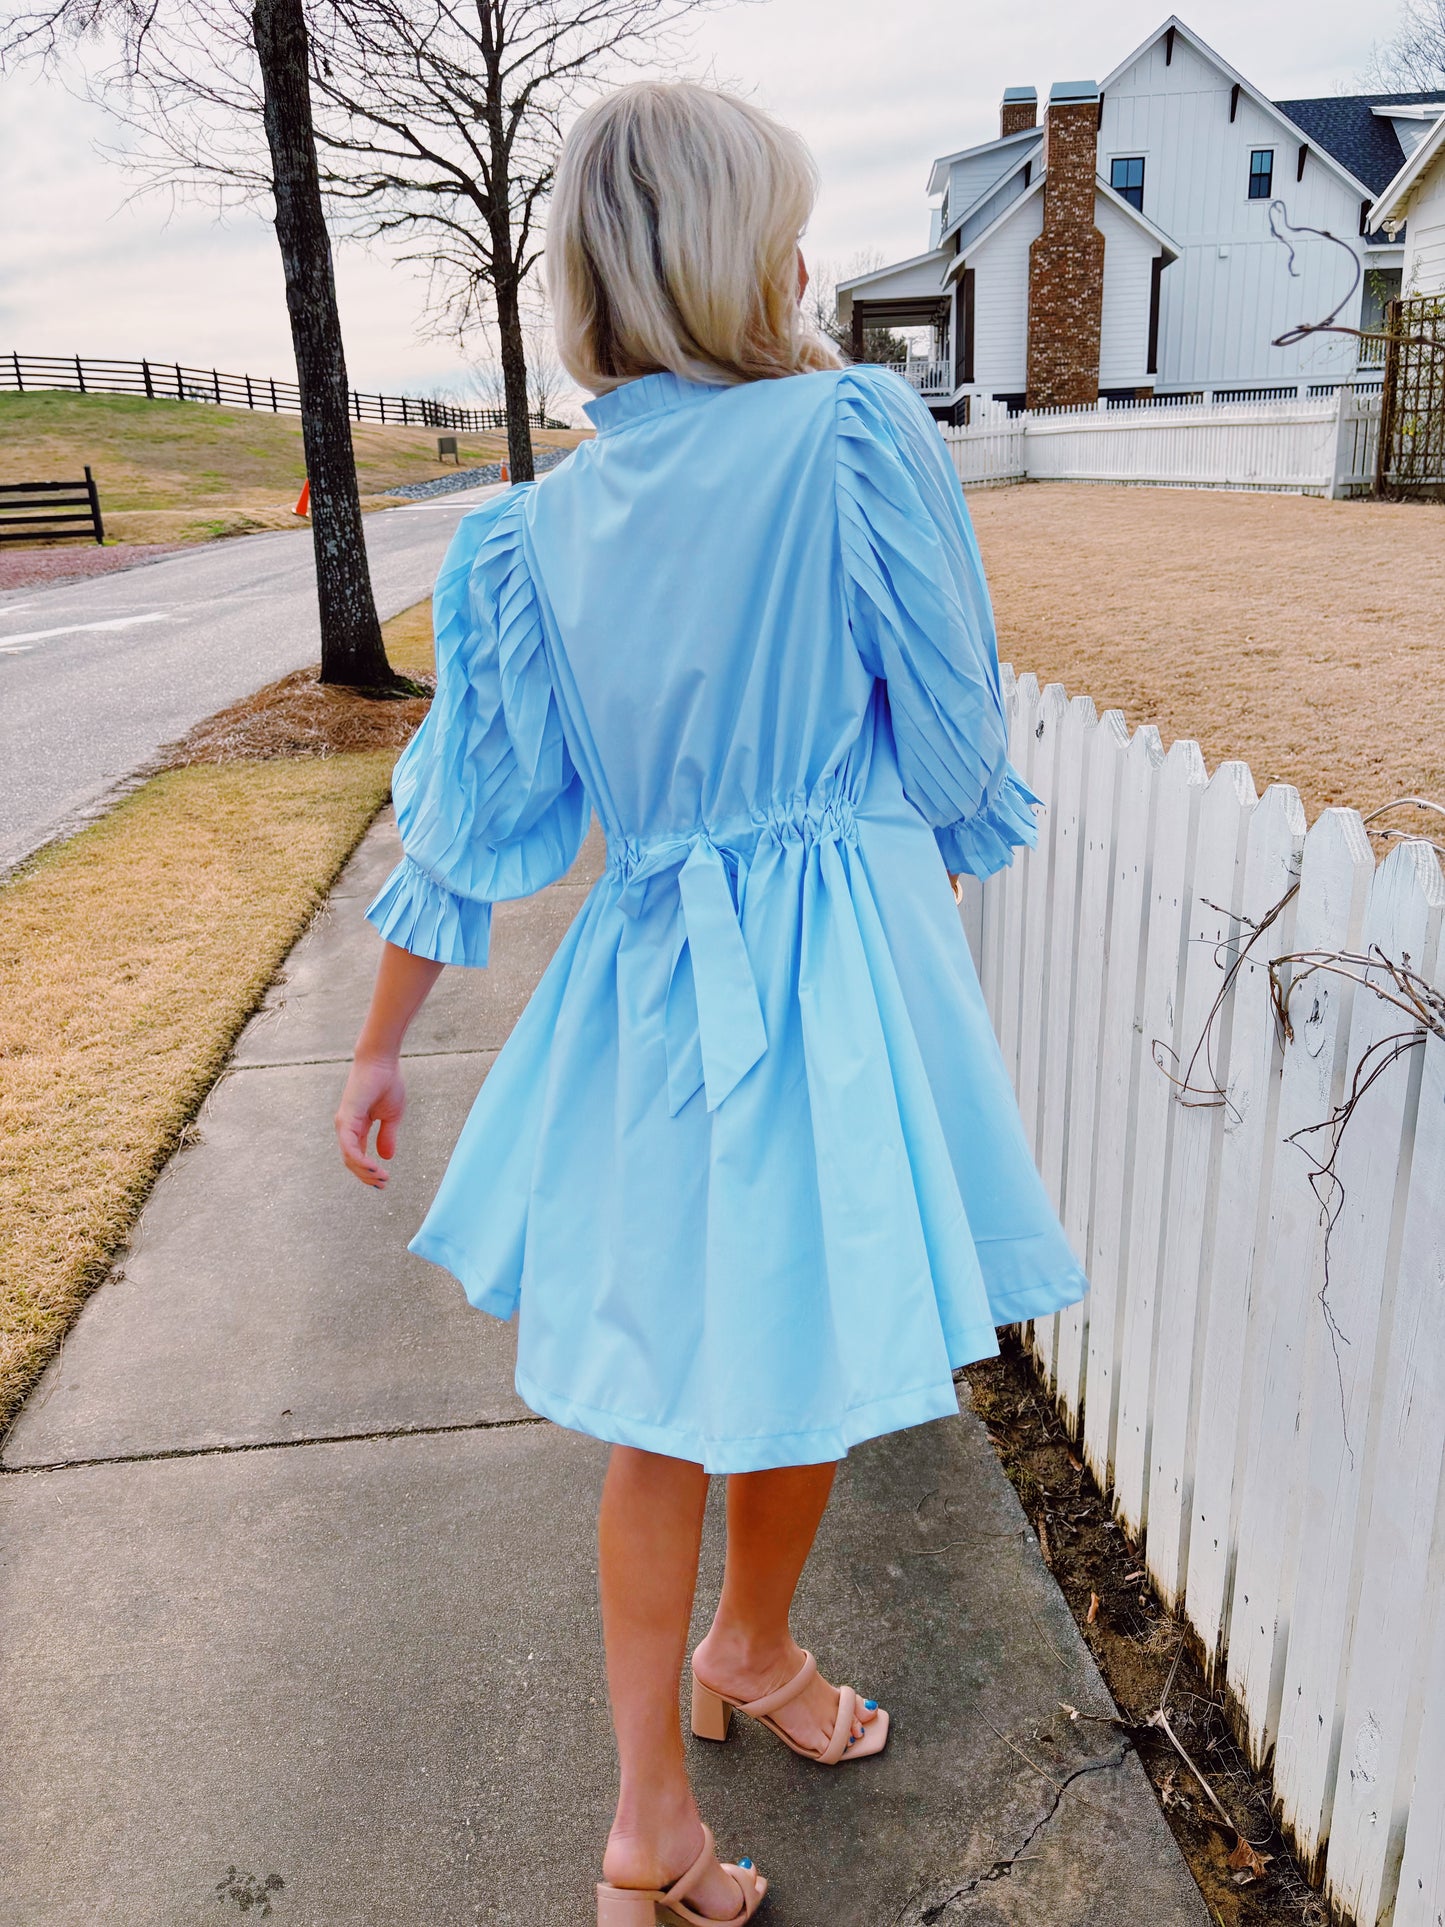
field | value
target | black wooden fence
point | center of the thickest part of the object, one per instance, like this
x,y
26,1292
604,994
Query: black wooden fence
x,y
170,381
50,511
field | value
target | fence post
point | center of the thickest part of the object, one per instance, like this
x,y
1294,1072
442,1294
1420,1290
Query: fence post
x,y
274,409
1116,1139
90,490
1342,468
1341,1428
19,378
1237,1281
1059,968
1389,387
1390,1651
180,385
1192,1198
79,375
1103,749
1181,786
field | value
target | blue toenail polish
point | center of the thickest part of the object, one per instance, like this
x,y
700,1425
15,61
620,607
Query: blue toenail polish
x,y
745,1862
870,1706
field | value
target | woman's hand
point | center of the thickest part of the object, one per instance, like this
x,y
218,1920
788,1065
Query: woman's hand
x,y
374,1091
374,1094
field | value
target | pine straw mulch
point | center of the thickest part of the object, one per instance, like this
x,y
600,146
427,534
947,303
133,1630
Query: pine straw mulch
x,y
300,716
1146,1658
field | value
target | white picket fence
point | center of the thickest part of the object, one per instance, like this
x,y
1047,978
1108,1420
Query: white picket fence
x,y
1270,1433
1313,445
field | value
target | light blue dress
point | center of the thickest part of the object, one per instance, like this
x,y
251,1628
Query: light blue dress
x,y
749,1169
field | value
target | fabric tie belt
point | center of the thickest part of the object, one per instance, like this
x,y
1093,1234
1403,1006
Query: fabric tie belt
x,y
712,1017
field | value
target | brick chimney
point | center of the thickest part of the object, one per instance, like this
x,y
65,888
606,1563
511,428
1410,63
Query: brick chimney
x,y
1066,262
1019,109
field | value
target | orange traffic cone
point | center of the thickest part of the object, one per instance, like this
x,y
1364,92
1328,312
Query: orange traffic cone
x,y
303,500
506,473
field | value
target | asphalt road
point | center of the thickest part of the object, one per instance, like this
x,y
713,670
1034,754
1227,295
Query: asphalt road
x,y
96,676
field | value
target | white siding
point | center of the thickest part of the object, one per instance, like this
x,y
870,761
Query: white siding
x,y
967,179
1425,235
1003,196
1000,302
921,277
1219,313
1128,272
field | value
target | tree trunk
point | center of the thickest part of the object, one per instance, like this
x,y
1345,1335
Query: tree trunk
x,y
514,378
352,650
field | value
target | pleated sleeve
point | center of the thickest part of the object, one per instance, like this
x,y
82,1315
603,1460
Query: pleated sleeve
x,y
488,801
920,615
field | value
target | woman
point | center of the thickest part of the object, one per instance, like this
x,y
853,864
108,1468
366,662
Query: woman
x,y
749,1169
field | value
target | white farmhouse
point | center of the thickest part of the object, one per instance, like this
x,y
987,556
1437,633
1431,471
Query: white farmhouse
x,y
1124,249
1415,201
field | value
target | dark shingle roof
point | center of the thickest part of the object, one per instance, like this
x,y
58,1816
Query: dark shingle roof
x,y
1343,125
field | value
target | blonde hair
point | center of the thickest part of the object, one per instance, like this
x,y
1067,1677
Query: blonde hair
x,y
672,240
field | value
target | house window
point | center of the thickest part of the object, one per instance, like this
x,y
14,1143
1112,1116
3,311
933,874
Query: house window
x,y
1126,177
1261,173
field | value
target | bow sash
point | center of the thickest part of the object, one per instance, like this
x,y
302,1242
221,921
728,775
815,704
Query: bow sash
x,y
712,1020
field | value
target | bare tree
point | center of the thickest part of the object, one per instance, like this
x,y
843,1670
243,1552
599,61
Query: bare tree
x,y
243,75
820,306
352,650
547,380
1413,60
440,130
484,384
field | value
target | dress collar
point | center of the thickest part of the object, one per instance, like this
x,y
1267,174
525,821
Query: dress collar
x,y
647,395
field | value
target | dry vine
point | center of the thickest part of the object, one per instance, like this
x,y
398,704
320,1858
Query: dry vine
x,y
1393,981
1330,325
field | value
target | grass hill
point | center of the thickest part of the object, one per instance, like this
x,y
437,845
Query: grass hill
x,y
180,471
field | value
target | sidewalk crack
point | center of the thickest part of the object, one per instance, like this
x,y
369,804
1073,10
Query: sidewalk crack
x,y
275,1445
931,1911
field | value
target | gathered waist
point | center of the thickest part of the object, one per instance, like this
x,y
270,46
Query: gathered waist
x,y
712,1017
826,813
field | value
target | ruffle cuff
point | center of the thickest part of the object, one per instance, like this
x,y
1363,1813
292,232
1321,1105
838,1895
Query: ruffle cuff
x,y
415,912
978,845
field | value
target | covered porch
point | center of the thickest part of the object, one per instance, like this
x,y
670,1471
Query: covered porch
x,y
908,296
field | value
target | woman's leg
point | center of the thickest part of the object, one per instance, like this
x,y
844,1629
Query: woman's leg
x,y
649,1533
773,1518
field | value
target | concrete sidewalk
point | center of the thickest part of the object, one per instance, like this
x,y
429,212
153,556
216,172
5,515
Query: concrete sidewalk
x,y
298,1602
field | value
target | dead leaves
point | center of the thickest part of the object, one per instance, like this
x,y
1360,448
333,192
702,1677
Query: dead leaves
x,y
1247,1863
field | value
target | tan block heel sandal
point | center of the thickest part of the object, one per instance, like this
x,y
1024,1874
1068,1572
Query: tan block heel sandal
x,y
712,1711
642,1906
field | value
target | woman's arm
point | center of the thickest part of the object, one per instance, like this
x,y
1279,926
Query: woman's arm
x,y
375,1093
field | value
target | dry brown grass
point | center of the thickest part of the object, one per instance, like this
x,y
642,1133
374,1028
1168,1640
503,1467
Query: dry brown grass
x,y
1302,636
130,957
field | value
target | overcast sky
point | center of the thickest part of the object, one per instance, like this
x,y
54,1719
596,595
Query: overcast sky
x,y
877,91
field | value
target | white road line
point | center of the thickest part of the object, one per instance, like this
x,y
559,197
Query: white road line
x,y
80,628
